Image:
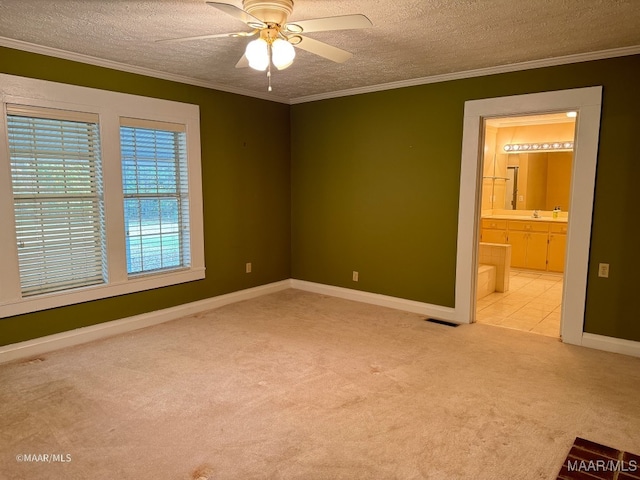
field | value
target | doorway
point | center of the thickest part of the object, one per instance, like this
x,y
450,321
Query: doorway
x,y
524,212
585,101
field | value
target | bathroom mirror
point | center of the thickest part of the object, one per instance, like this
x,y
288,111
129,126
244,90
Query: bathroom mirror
x,y
527,162
538,181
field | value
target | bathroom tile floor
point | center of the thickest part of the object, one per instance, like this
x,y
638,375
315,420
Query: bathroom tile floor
x,y
532,303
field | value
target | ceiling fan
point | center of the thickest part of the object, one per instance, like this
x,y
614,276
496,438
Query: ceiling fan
x,y
277,36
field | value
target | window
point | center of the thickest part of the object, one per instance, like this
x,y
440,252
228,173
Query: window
x,y
155,201
102,192
57,199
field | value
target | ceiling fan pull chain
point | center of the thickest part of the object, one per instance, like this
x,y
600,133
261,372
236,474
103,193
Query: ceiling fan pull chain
x,y
269,76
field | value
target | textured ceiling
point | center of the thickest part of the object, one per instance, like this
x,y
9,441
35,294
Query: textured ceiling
x,y
410,39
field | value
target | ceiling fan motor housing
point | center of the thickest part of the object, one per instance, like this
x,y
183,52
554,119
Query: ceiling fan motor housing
x,y
273,11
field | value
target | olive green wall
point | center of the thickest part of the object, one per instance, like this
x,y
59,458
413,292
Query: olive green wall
x,y
375,186
245,190
375,182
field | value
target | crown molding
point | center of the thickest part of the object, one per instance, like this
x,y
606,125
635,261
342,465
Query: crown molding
x,y
481,72
512,67
148,72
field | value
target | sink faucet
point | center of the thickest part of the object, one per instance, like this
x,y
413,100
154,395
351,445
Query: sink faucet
x,y
536,214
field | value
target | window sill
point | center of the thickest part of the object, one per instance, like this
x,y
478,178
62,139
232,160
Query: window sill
x,y
97,292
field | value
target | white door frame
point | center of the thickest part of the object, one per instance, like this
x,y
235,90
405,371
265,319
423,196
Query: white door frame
x,y
587,102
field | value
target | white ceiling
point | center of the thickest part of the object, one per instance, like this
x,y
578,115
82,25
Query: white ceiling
x,y
412,41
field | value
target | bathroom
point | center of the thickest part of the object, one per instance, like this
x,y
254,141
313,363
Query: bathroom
x,y
524,217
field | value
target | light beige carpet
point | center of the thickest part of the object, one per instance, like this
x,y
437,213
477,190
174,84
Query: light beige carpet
x,y
302,386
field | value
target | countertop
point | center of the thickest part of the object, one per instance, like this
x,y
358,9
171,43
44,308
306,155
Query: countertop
x,y
527,218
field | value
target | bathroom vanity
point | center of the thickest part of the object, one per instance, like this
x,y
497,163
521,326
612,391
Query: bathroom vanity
x,y
536,243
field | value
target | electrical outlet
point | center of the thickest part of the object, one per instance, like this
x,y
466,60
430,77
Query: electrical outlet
x,y
355,276
247,267
603,270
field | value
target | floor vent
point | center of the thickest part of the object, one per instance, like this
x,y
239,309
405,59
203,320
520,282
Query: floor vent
x,y
442,322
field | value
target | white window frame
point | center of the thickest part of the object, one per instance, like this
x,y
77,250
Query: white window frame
x,y
110,107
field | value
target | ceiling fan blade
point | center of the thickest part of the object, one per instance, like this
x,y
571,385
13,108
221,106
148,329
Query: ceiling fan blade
x,y
202,37
322,49
243,62
342,22
239,14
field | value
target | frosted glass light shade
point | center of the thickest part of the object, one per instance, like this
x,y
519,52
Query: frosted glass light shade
x,y
257,53
282,53
516,147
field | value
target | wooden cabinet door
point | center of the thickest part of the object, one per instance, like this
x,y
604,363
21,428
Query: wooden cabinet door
x,y
557,247
518,242
537,250
494,236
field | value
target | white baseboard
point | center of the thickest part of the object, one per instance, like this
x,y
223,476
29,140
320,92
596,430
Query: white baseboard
x,y
78,336
38,346
427,309
611,344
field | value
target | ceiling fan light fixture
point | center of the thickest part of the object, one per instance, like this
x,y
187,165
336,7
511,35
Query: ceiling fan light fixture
x,y
257,52
282,53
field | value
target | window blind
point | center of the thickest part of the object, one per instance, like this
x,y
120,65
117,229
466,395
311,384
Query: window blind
x,y
57,193
155,188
